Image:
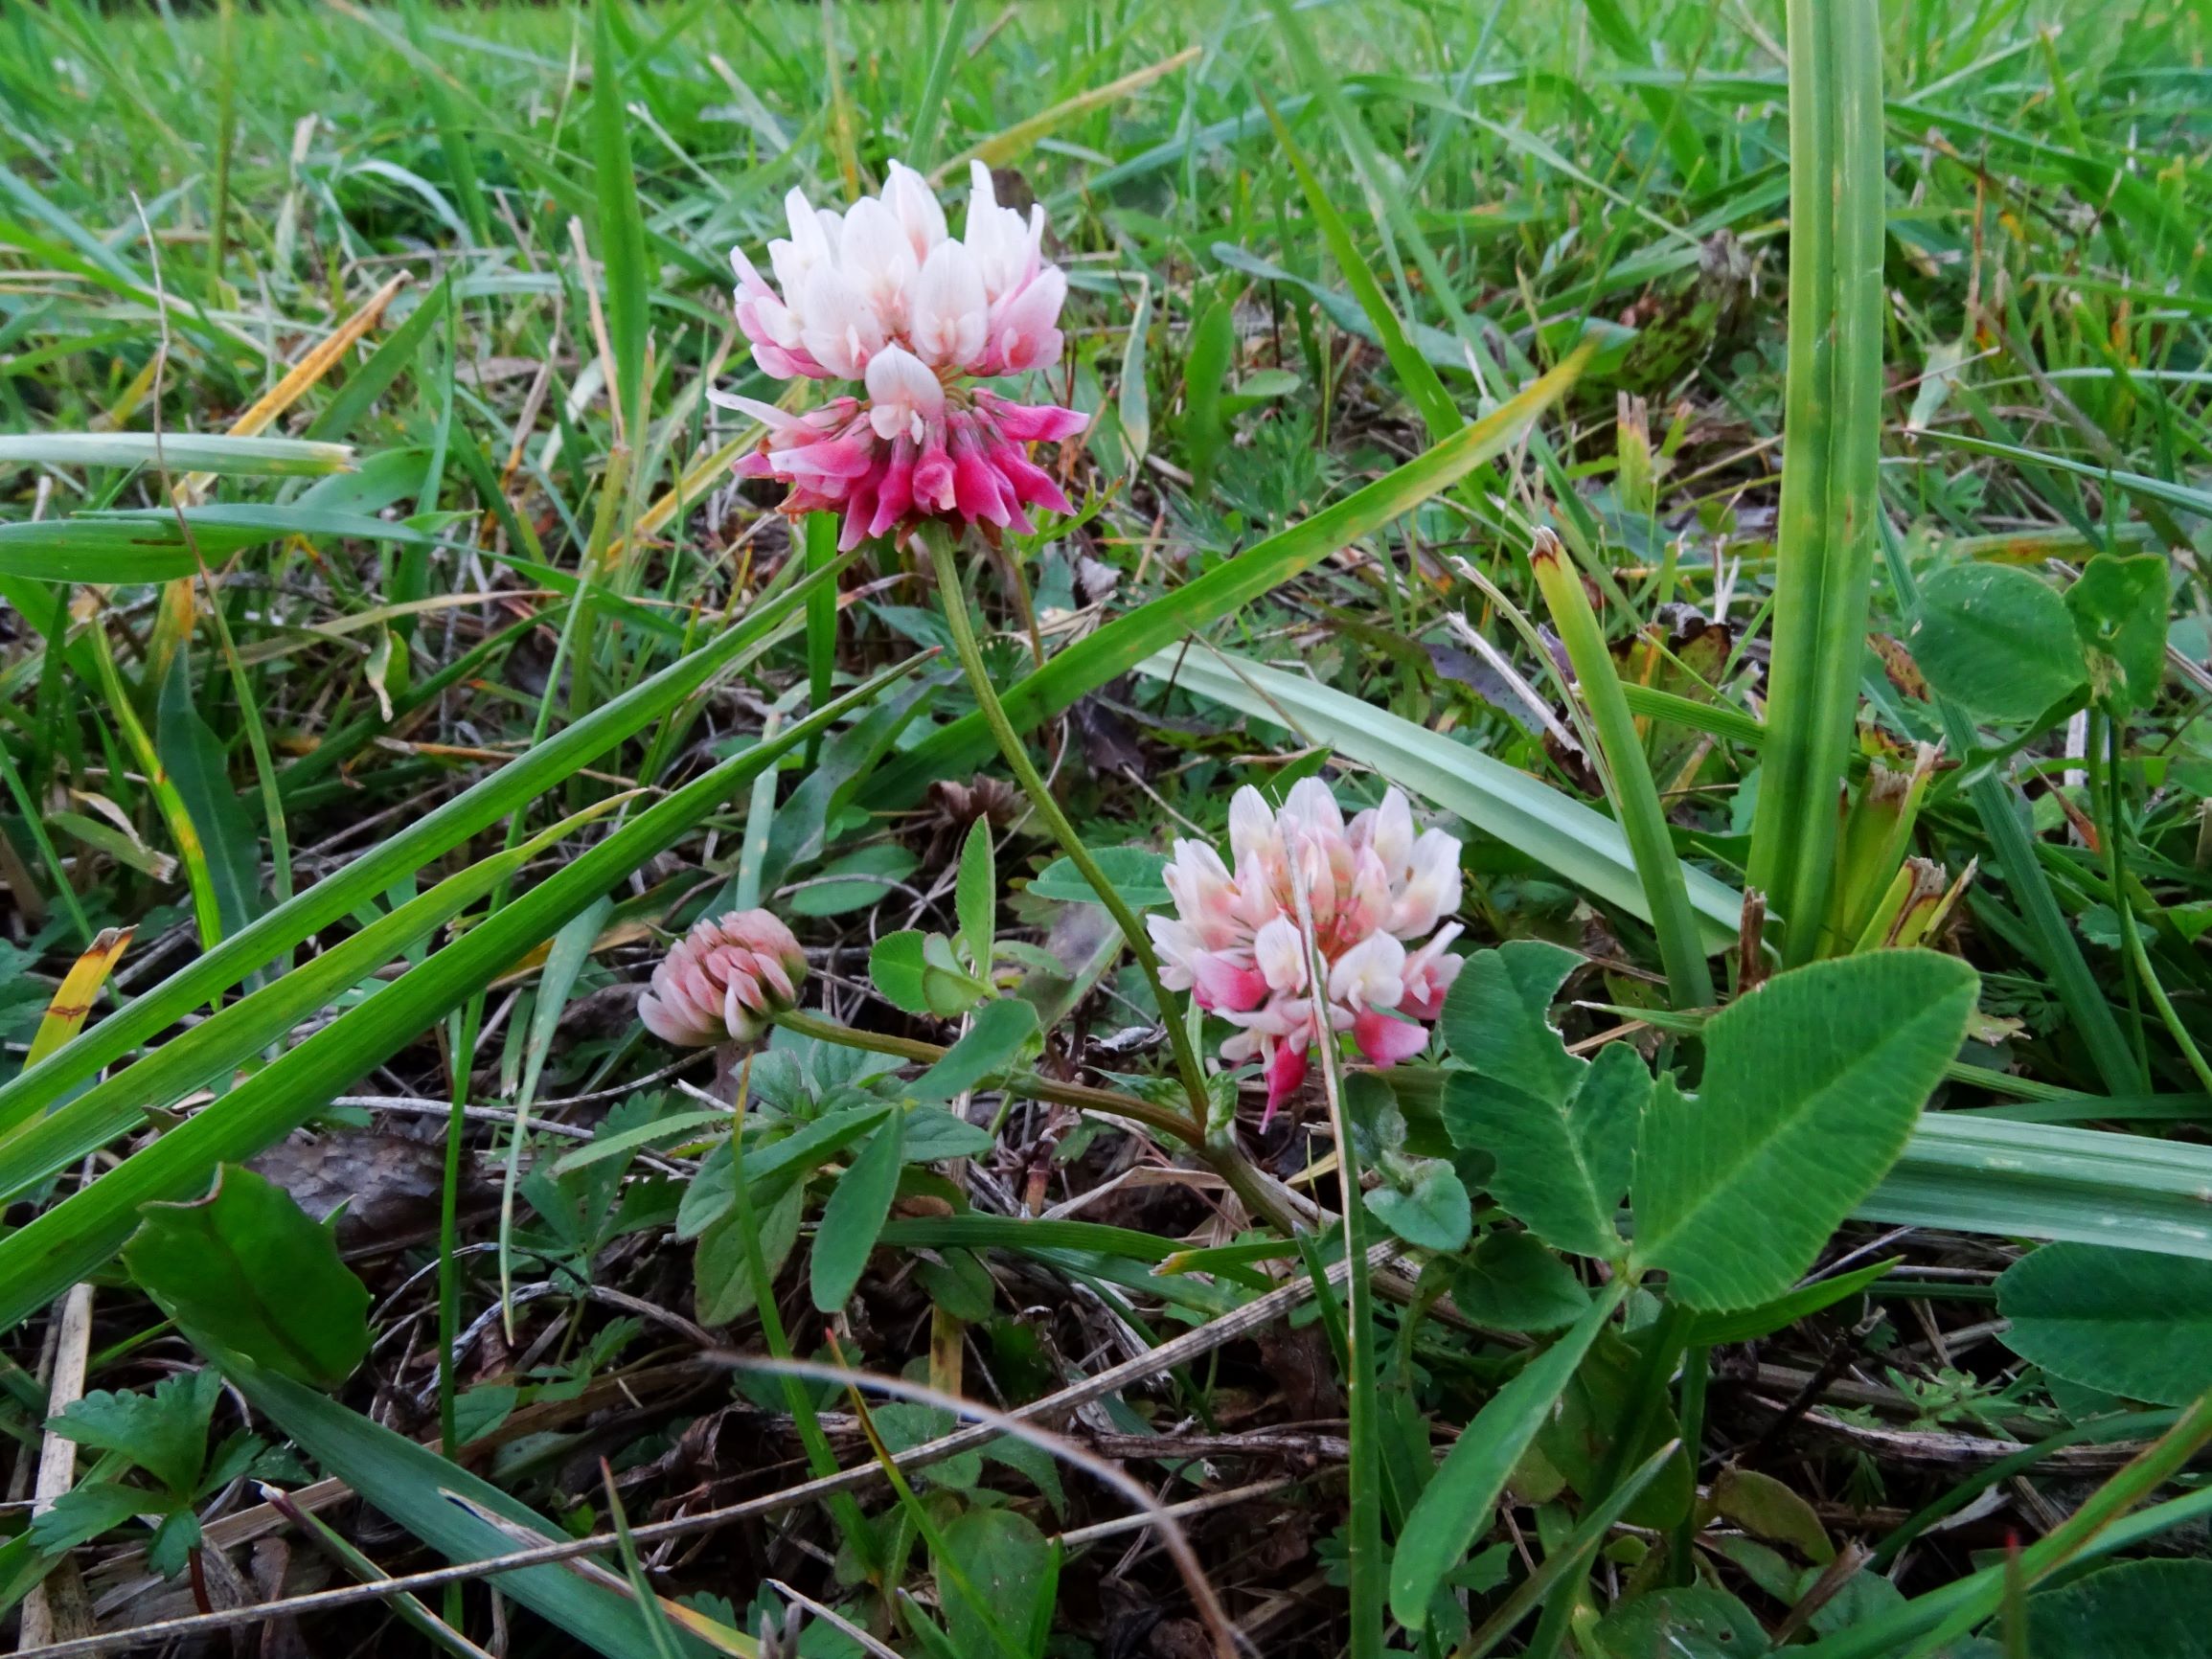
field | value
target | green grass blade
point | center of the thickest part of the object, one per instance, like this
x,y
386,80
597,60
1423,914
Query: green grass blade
x,y
1635,798
1123,643
372,379
410,1484
2011,1179
1831,435
432,836
1416,376
621,226
74,1237
181,452
930,107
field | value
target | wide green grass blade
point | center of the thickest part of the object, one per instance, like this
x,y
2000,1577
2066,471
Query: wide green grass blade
x,y
32,1148
1126,642
621,226
73,1238
1831,430
181,452
410,1484
2009,1179
1635,797
151,545
432,836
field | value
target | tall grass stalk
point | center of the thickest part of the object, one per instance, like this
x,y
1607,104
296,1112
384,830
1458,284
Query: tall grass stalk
x,y
1832,428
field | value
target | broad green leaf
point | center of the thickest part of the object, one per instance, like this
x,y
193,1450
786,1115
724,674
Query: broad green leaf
x,y
933,1134
1430,1211
445,1506
1595,1411
1574,841
427,839
721,1267
1696,1623
1811,1090
1133,872
163,1432
179,452
948,988
2134,1610
1766,1508
2123,1321
1006,1561
244,1269
905,1425
976,897
1508,1281
84,1512
1997,640
1497,1018
1003,1035
1159,623
2119,607
861,878
1561,1129
895,969
919,973
1455,1506
168,1551
854,1217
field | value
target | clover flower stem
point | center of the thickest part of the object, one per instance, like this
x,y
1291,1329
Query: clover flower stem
x,y
940,543
1260,1193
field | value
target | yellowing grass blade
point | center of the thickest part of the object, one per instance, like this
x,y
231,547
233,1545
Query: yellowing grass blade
x,y
72,1004
1004,147
323,356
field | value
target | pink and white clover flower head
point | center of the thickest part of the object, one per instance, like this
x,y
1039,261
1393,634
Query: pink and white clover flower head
x,y
884,296
725,980
1373,887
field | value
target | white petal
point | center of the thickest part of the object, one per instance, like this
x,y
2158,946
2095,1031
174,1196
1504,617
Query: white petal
x,y
949,314
908,197
841,329
1370,974
809,238
1279,952
902,394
